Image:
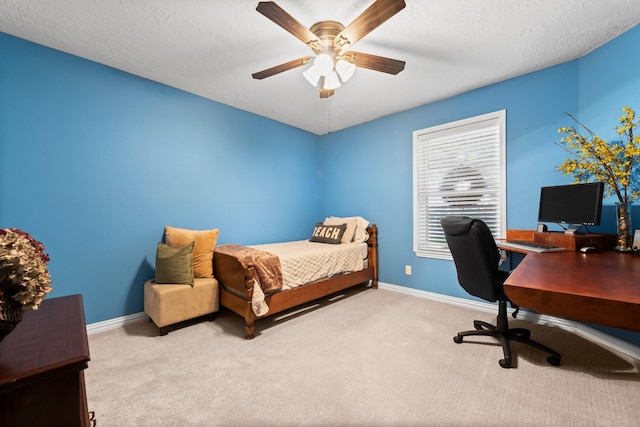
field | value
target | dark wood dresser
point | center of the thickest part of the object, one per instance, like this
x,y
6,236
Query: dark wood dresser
x,y
42,366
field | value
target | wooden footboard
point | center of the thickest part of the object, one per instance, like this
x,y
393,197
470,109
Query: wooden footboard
x,y
237,289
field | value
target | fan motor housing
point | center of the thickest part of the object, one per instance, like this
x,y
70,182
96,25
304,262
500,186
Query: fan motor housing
x,y
326,31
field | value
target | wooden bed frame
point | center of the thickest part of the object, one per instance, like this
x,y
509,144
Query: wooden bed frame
x,y
236,285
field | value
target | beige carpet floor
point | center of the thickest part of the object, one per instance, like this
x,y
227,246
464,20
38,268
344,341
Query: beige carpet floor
x,y
371,358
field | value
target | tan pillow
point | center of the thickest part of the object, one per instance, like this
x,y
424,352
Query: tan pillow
x,y
205,243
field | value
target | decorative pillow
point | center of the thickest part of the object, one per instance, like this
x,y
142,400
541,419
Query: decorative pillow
x,y
328,233
349,232
361,231
360,234
174,265
205,243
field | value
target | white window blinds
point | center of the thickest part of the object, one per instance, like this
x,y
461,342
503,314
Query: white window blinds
x,y
458,169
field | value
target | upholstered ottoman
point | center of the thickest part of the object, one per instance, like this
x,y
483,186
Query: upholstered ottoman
x,y
167,304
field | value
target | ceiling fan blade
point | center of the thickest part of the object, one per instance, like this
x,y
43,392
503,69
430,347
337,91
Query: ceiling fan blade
x,y
325,93
281,68
370,19
289,23
376,63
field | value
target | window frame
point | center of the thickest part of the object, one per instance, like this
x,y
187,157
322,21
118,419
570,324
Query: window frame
x,y
455,134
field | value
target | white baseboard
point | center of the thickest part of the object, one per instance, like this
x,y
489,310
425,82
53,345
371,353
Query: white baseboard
x,y
570,325
115,323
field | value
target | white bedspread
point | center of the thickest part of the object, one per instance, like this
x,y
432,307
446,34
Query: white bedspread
x,y
303,261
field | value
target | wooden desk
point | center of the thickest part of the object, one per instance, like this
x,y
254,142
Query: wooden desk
x,y
41,367
601,288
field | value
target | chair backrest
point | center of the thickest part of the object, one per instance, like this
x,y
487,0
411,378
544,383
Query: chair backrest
x,y
476,256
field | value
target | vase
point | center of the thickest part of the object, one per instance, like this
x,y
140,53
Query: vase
x,y
625,235
10,316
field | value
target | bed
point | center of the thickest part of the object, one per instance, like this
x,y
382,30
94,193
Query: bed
x,y
252,287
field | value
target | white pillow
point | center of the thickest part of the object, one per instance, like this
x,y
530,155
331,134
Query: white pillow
x,y
361,230
351,223
360,233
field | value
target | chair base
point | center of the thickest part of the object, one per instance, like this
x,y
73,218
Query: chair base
x,y
505,335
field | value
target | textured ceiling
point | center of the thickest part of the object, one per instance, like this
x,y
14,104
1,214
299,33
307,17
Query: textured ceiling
x,y
211,47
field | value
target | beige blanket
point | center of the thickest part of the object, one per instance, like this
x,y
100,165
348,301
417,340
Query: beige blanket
x,y
304,262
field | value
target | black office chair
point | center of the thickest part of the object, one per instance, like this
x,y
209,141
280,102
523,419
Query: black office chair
x,y
477,258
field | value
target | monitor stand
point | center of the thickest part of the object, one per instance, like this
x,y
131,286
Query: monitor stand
x,y
574,242
572,229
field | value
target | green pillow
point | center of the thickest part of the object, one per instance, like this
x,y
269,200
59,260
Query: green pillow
x,y
174,265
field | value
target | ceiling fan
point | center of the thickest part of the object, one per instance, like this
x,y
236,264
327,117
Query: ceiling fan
x,y
334,63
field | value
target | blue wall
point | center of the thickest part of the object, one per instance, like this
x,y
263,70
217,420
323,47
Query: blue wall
x,y
534,104
94,162
594,88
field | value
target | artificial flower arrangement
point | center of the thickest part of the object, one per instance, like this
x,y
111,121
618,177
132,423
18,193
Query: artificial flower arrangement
x,y
615,163
24,277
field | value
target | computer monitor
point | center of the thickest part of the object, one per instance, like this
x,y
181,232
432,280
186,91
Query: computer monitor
x,y
579,204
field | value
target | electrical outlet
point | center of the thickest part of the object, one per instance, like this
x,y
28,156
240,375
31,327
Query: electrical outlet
x,y
407,270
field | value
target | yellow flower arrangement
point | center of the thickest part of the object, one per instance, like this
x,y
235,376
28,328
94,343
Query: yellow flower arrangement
x,y
614,163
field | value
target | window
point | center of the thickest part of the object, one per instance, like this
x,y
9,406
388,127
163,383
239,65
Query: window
x,y
458,169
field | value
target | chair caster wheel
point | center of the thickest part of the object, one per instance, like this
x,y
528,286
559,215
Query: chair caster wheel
x,y
457,339
505,363
555,361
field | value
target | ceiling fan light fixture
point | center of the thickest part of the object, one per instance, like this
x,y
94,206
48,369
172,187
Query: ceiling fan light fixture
x,y
330,41
331,81
312,76
323,64
345,69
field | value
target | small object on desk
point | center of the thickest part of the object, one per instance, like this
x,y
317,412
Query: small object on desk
x,y
589,250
